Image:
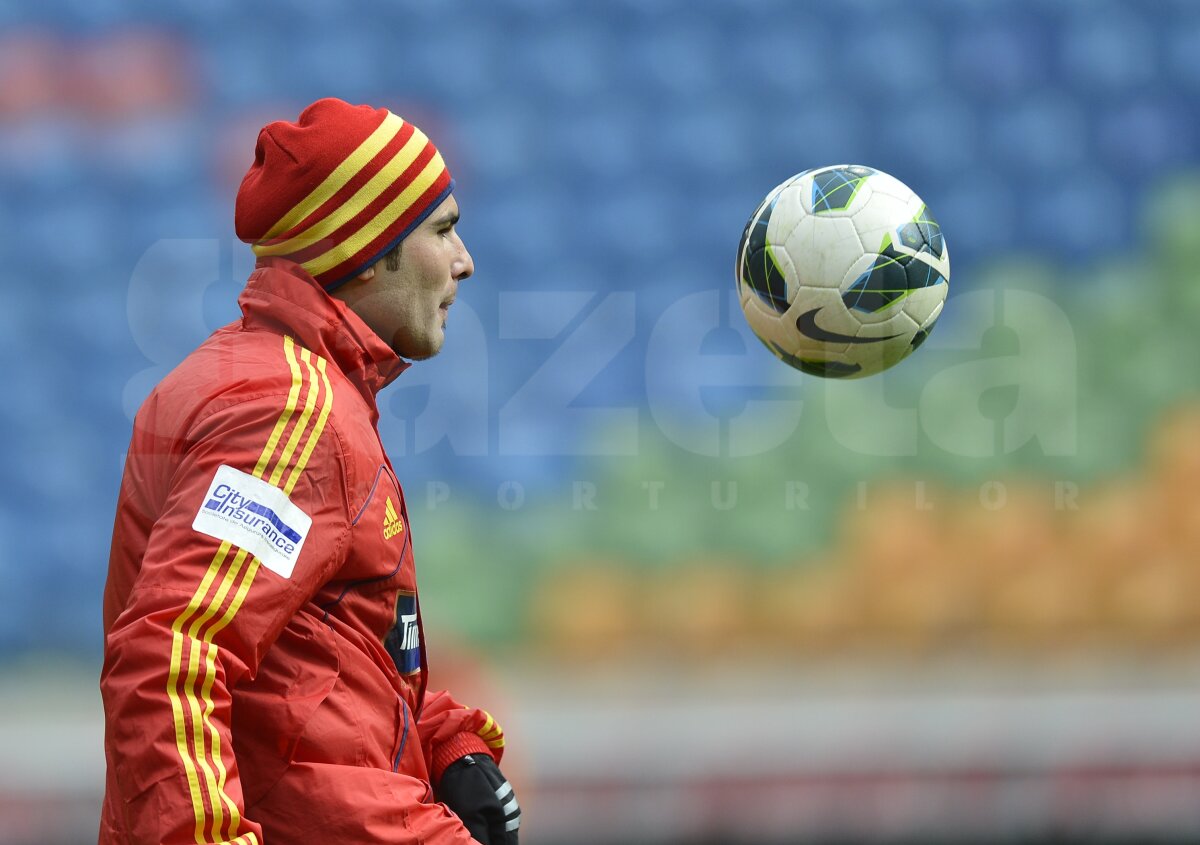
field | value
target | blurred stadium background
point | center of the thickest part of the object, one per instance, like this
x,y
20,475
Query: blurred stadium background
x,y
714,600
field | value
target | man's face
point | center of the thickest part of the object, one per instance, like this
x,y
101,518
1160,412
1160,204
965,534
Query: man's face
x,y
407,306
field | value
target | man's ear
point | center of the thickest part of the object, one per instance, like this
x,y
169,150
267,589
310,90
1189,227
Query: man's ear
x,y
367,274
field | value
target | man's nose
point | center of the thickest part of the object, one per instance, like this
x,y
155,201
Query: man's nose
x,y
464,265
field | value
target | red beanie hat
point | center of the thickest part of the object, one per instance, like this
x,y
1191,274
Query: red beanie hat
x,y
338,189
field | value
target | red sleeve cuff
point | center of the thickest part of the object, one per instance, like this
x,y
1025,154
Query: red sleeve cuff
x,y
458,746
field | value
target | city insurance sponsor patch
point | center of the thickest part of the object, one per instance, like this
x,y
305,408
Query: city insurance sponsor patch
x,y
255,516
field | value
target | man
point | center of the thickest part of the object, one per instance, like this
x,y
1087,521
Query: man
x,y
264,673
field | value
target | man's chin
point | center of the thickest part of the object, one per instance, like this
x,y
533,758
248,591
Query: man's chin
x,y
422,352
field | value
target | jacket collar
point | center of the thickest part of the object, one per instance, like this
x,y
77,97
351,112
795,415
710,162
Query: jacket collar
x,y
280,296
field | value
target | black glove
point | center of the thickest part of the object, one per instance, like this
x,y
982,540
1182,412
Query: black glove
x,y
475,790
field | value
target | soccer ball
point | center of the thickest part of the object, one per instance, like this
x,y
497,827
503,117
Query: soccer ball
x,y
842,271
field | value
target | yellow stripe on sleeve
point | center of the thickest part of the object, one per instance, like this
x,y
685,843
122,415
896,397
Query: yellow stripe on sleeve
x,y
181,739
491,729
487,725
326,227
201,710
342,174
318,429
206,695
310,402
289,408
248,579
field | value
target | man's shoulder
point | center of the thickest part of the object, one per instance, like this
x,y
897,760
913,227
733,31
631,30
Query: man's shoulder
x,y
233,366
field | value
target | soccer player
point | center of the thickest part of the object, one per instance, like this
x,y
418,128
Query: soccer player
x,y
264,675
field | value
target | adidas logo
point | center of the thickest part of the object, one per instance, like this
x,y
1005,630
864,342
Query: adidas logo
x,y
392,523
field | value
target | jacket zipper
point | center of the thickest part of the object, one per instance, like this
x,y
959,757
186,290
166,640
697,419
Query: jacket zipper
x,y
403,736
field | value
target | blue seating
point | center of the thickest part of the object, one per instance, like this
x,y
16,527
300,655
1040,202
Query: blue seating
x,y
600,147
1109,52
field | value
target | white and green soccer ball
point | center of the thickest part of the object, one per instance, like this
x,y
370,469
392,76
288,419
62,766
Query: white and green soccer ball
x,y
842,271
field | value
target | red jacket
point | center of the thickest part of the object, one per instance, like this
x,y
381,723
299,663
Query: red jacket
x,y
261,557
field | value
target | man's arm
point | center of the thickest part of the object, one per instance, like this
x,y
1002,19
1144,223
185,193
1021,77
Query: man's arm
x,y
464,746
254,522
450,731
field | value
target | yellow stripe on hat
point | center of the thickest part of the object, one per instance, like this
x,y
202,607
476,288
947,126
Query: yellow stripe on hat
x,y
378,224
341,175
368,193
